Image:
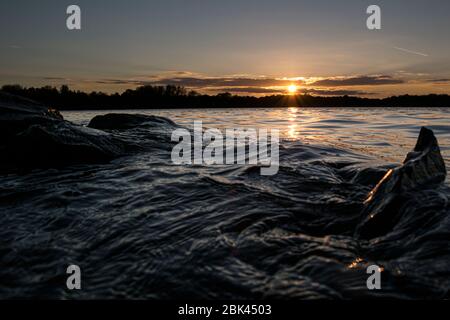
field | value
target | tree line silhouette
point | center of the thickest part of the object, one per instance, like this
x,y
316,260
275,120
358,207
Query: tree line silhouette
x,y
152,97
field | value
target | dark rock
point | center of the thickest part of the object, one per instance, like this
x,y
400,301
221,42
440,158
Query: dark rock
x,y
422,167
123,121
17,114
62,144
14,105
32,135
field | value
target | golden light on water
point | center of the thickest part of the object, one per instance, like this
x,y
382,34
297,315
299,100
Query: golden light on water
x,y
293,126
374,190
355,263
359,263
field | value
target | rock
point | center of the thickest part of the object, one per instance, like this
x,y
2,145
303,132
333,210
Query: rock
x,y
422,167
32,135
14,105
123,121
17,114
63,144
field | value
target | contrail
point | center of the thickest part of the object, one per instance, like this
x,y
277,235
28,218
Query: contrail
x,y
413,52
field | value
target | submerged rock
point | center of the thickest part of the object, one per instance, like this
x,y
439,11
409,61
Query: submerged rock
x,y
32,135
422,167
123,121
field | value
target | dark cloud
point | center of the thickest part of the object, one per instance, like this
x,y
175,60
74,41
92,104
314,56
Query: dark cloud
x,y
100,81
53,78
121,82
357,81
222,82
248,90
439,80
248,85
320,92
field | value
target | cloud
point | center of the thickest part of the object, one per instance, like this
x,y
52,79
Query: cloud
x,y
235,84
257,90
222,82
411,51
121,82
439,81
56,79
320,92
335,92
243,84
357,81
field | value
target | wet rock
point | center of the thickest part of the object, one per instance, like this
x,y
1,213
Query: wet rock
x,y
123,121
62,144
32,135
17,114
422,167
14,106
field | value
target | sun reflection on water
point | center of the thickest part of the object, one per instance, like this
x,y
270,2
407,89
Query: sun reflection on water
x,y
293,126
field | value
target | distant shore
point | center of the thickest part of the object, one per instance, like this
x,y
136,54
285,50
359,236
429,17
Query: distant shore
x,y
174,97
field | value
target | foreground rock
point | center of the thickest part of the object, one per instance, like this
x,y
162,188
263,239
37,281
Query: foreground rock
x,y
17,114
32,135
422,167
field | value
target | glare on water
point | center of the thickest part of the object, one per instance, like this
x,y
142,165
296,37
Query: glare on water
x,y
387,133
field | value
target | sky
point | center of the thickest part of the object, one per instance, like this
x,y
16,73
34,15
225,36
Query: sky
x,y
251,47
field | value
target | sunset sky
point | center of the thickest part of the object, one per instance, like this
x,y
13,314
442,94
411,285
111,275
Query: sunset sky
x,y
253,47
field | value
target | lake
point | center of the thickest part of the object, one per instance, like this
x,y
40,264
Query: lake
x,y
142,227
386,133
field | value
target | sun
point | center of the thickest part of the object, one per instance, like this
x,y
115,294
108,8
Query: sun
x,y
292,88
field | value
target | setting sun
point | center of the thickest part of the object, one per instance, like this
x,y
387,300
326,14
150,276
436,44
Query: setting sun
x,y
292,88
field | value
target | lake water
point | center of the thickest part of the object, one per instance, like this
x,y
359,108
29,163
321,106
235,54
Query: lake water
x,y
142,227
386,133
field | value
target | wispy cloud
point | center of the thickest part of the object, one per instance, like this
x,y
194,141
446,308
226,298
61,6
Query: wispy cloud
x,y
412,52
321,92
357,81
439,81
222,82
250,90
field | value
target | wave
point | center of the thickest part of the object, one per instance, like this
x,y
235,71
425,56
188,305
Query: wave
x,y
141,227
